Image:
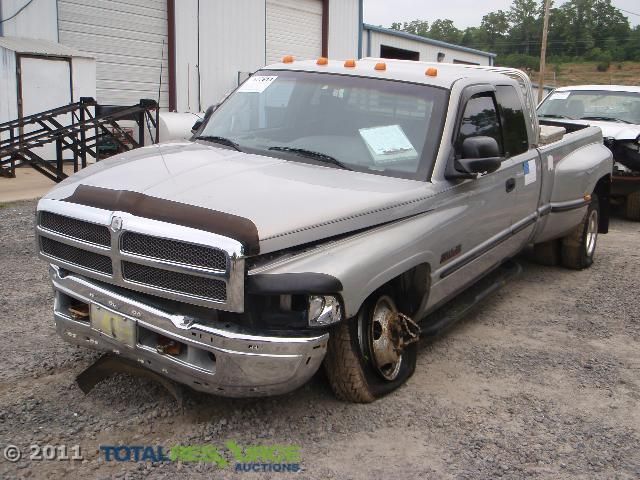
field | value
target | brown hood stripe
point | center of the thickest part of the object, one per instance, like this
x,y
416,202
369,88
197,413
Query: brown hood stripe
x,y
239,228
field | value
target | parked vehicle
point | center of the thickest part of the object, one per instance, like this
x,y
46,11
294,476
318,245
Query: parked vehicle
x,y
319,214
616,110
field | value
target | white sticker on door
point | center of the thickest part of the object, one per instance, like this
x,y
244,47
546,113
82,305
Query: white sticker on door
x,y
550,162
257,84
529,172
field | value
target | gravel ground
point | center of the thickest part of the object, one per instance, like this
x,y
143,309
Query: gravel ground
x,y
542,381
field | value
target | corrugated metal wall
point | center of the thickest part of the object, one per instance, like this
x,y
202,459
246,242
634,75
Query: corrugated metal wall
x,y
232,39
428,53
126,39
237,37
344,16
37,20
294,27
9,89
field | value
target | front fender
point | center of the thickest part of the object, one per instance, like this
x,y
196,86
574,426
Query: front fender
x,y
364,262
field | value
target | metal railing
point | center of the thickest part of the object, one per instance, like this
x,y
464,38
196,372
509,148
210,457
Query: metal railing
x,y
21,138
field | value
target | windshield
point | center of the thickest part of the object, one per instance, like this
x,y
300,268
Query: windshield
x,y
602,105
377,126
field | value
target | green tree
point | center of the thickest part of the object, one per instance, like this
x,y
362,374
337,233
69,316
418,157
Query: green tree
x,y
445,30
417,27
523,16
495,28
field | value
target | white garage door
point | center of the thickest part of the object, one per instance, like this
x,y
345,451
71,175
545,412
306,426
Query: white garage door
x,y
126,39
294,27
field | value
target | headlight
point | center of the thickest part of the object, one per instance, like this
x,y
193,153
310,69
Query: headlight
x,y
324,310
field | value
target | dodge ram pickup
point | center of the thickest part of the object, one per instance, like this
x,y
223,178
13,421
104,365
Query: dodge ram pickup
x,y
616,110
318,216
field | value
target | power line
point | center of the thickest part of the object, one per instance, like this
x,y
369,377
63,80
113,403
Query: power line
x,y
18,12
627,11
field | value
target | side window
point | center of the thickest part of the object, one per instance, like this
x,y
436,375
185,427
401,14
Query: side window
x,y
480,119
516,140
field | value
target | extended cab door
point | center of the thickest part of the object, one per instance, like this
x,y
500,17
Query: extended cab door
x,y
478,235
523,162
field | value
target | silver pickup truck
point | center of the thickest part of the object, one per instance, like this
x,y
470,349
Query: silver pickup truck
x,y
320,214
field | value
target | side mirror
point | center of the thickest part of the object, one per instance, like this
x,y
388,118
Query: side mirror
x,y
479,155
197,125
207,114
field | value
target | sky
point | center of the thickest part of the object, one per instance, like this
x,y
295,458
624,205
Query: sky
x,y
464,13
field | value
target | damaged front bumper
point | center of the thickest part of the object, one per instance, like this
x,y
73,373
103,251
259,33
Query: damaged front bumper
x,y
212,357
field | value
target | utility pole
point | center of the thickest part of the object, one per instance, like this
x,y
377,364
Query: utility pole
x,y
543,50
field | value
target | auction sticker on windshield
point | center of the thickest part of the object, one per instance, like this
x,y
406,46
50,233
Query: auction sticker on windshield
x,y
388,144
257,84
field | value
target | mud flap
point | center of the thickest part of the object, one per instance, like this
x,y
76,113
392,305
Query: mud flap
x,y
109,364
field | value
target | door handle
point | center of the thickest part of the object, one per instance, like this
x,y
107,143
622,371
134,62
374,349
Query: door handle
x,y
510,184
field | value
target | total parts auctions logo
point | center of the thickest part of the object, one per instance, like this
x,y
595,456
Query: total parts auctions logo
x,y
253,458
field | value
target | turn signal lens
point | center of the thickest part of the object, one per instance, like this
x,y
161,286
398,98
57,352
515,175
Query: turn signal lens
x,y
351,63
322,61
587,197
431,72
287,59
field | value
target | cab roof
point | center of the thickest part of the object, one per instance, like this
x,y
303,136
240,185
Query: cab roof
x,y
403,70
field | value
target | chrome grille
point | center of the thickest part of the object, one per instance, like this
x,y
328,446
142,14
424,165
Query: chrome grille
x,y
70,227
173,251
209,288
76,256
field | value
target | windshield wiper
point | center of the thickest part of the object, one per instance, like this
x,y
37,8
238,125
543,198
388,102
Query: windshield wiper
x,y
323,157
606,119
548,115
221,140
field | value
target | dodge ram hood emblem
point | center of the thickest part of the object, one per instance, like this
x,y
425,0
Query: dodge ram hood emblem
x,y
116,224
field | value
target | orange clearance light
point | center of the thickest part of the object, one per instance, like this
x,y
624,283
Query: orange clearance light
x,y
287,59
587,197
431,72
381,66
322,61
351,63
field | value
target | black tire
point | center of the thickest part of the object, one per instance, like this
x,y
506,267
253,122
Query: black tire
x,y
579,247
350,364
632,206
547,253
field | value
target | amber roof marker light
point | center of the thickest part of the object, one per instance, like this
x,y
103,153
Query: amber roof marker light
x,y
288,59
322,61
381,66
351,63
431,72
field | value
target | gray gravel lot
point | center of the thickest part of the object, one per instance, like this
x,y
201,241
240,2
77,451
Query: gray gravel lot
x,y
542,381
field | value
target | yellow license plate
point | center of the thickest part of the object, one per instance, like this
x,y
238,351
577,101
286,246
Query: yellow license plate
x,y
115,326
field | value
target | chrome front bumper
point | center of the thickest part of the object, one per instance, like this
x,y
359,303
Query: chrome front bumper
x,y
217,358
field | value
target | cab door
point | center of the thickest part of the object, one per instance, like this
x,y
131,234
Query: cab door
x,y
524,163
478,235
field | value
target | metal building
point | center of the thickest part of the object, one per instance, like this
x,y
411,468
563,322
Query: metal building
x,y
387,43
187,53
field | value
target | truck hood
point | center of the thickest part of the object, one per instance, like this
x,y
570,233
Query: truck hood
x,y
290,203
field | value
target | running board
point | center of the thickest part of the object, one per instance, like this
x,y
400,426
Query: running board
x,y
450,313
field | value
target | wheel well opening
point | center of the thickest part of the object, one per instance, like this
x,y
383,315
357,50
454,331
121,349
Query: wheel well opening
x,y
411,288
603,191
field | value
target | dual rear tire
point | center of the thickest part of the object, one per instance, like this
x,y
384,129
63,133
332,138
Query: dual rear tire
x,y
577,249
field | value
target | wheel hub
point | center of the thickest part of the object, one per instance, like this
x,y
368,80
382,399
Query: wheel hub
x,y
386,338
592,233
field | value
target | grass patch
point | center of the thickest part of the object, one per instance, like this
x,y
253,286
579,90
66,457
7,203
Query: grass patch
x,y
618,73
